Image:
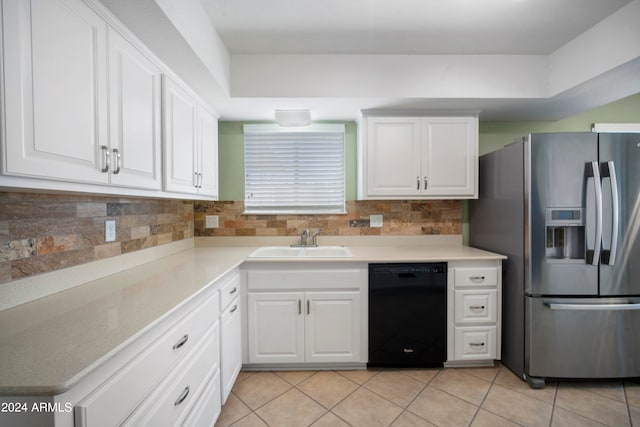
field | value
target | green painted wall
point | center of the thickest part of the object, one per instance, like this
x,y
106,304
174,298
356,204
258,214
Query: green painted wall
x,y
493,135
231,159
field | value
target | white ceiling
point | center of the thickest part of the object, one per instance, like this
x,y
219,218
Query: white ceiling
x,y
404,26
506,59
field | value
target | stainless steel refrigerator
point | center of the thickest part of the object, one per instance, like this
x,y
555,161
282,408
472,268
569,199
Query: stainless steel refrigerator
x,y
565,209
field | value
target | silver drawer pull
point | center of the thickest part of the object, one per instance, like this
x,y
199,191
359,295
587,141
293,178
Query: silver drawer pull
x,y
233,291
182,342
476,278
476,307
476,344
235,307
182,396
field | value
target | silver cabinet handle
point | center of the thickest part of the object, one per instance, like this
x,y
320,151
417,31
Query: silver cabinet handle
x,y
181,342
417,183
235,307
426,183
116,171
299,306
476,307
308,307
182,396
106,158
233,291
476,344
477,278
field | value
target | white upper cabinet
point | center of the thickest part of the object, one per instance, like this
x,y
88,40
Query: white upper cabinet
x,y
82,108
179,122
418,157
190,143
55,90
393,156
135,140
208,158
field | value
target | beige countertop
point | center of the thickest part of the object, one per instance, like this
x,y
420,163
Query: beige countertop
x,y
48,345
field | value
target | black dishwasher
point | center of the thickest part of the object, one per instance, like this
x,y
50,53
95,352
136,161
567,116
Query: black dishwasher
x,y
407,315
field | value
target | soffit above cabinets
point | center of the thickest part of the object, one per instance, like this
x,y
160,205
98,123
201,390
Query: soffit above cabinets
x,y
508,59
424,27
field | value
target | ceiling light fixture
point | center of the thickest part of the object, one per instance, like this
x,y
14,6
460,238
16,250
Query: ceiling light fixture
x,y
293,117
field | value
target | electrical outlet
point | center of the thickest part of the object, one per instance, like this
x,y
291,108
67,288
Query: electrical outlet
x,y
109,230
211,221
375,220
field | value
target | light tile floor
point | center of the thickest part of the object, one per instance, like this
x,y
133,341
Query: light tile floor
x,y
428,397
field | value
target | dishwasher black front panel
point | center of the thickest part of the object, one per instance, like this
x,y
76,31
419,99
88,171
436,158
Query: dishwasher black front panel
x,y
407,315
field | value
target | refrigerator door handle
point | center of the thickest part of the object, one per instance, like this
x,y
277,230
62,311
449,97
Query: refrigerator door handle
x,y
610,307
615,211
597,186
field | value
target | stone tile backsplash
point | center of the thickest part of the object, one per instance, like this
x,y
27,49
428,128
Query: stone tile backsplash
x,y
40,233
45,232
401,217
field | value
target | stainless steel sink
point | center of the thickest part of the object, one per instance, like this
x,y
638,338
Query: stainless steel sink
x,y
301,252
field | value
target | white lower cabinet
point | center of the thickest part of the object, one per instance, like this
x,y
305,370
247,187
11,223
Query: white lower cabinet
x,y
179,372
276,327
115,399
474,312
292,319
171,401
475,342
304,327
332,327
231,334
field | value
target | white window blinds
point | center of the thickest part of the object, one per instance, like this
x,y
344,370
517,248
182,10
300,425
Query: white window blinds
x,y
294,170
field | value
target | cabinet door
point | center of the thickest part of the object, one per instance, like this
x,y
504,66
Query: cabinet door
x,y
231,348
393,156
276,327
208,153
332,327
134,100
55,90
450,156
180,153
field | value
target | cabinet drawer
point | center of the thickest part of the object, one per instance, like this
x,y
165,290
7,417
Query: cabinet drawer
x,y
475,306
231,346
208,408
476,277
110,404
229,290
171,402
475,342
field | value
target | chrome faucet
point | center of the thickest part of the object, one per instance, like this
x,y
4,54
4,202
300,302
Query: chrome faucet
x,y
314,239
304,239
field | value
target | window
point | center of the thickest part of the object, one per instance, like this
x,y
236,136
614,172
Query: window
x,y
294,170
